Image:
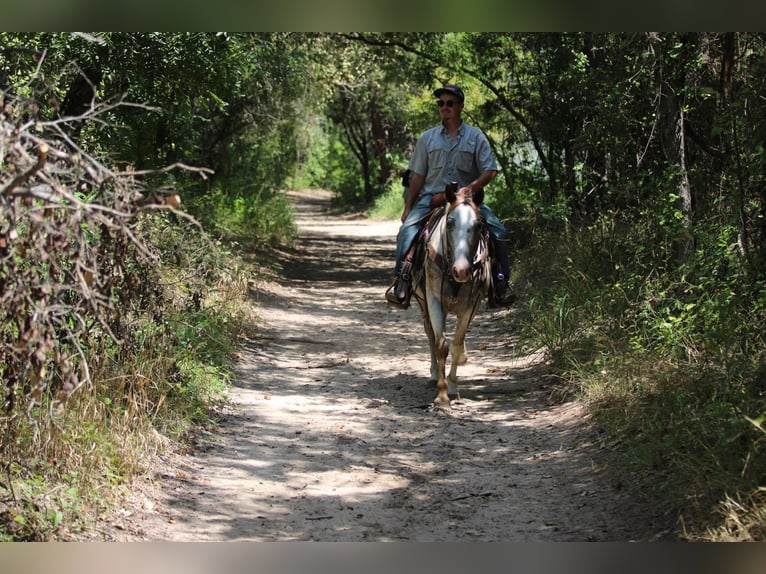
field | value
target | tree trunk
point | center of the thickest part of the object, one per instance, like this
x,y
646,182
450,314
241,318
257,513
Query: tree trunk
x,y
380,148
674,143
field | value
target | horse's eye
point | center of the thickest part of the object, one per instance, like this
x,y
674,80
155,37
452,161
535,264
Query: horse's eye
x,y
450,223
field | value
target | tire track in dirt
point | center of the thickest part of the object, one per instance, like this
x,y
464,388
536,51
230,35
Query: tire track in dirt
x,y
329,437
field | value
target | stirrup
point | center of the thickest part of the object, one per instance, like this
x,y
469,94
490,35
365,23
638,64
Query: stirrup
x,y
393,300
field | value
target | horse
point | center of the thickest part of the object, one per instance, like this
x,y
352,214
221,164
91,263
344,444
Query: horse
x,y
454,276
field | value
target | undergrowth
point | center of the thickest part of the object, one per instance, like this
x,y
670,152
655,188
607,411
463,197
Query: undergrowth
x,y
120,316
257,217
69,464
389,204
669,358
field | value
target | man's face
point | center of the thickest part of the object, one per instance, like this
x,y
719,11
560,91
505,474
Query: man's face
x,y
449,106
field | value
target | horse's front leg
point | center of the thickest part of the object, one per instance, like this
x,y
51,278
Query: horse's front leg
x,y
438,316
459,355
431,341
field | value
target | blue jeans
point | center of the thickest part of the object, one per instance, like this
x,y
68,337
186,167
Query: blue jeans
x,y
409,230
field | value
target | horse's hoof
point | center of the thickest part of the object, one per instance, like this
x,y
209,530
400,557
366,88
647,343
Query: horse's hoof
x,y
442,403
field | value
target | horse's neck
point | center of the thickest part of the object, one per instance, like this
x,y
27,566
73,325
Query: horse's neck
x,y
436,235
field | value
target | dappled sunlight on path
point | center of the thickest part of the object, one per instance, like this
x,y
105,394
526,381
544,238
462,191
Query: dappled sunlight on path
x,y
330,435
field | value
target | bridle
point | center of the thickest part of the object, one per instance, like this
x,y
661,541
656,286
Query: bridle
x,y
444,259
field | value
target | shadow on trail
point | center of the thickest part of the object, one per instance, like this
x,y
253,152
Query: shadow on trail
x,y
448,477
343,260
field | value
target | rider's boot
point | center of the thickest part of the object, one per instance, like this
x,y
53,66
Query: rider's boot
x,y
500,295
400,290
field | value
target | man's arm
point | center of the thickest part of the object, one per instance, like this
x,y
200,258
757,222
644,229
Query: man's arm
x,y
416,184
484,178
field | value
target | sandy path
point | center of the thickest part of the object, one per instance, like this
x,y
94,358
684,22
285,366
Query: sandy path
x,y
330,438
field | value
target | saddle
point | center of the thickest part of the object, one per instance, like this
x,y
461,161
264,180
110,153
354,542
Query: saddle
x,y
412,270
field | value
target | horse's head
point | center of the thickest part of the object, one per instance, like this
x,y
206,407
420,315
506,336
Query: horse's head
x,y
463,231
452,194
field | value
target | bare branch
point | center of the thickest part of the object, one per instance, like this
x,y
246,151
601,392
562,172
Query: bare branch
x,y
72,270
203,171
42,156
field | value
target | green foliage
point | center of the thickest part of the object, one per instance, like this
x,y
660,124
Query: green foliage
x,y
251,218
342,178
166,378
218,100
631,181
388,205
43,513
118,322
313,143
367,104
553,325
684,428
668,356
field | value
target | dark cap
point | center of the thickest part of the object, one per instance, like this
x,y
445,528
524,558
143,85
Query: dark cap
x,y
450,89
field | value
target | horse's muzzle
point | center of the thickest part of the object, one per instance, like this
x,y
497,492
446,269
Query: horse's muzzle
x,y
461,272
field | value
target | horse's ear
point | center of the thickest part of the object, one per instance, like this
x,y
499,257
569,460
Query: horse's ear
x,y
451,191
478,196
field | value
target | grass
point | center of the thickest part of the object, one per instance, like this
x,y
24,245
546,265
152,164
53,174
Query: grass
x,y
388,205
685,420
76,462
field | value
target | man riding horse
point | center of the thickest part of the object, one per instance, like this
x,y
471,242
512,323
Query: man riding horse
x,y
452,151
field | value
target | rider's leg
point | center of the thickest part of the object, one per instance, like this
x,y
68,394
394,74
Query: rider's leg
x,y
409,230
404,239
398,292
499,234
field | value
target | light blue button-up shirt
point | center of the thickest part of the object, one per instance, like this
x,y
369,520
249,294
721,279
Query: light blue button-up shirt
x,y
442,161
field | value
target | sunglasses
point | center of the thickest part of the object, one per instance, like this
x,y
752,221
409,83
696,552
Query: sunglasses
x,y
449,103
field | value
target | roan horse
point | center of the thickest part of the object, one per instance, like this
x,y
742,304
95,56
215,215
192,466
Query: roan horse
x,y
455,275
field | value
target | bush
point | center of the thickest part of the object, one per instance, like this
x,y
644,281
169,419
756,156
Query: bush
x,y
117,323
668,356
259,218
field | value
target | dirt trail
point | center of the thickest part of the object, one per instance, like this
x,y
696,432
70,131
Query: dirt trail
x,y
330,438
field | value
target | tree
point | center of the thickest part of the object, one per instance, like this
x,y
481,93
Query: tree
x,y
366,89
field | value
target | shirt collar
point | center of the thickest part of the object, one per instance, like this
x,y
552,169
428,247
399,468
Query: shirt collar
x,y
460,128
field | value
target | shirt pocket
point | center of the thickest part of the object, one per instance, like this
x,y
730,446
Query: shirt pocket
x,y
465,161
437,160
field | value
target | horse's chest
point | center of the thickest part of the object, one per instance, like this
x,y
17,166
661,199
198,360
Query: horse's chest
x,y
457,296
